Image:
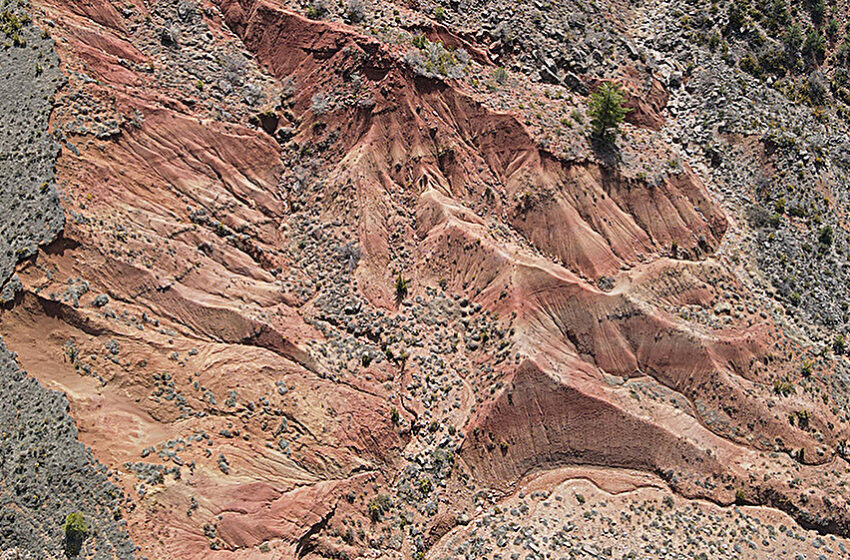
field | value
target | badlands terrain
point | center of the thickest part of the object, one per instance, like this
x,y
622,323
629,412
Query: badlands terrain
x,y
353,279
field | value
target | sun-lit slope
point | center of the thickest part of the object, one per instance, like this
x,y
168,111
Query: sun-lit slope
x,y
309,301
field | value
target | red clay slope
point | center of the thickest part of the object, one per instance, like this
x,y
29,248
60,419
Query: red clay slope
x,y
189,221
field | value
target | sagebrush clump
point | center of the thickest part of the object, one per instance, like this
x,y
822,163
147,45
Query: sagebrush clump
x,y
355,10
433,60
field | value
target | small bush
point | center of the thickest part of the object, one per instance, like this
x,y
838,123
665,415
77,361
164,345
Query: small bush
x,y
818,10
797,211
839,345
817,88
379,505
831,28
777,16
76,531
735,16
355,10
425,486
75,525
826,236
796,298
842,54
793,40
317,9
12,24
772,61
783,388
751,65
320,103
432,59
740,497
814,47
402,286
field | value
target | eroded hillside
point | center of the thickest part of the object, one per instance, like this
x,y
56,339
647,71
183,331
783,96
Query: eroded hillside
x,y
352,280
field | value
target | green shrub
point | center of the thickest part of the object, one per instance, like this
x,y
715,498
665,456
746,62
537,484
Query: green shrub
x,y
76,531
797,211
316,10
402,286
606,110
842,55
777,15
793,40
425,486
826,236
814,48
379,505
736,16
818,9
796,298
751,65
831,28
816,88
773,61
12,24
783,388
75,525
839,345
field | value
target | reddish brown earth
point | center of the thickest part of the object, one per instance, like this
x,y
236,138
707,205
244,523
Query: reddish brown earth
x,y
618,366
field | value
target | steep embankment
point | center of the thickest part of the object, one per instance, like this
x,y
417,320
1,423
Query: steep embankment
x,y
593,221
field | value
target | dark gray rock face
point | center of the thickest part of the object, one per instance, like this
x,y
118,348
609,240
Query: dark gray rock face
x,y
45,472
30,213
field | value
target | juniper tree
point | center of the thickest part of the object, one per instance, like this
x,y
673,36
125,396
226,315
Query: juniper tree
x,y
606,111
